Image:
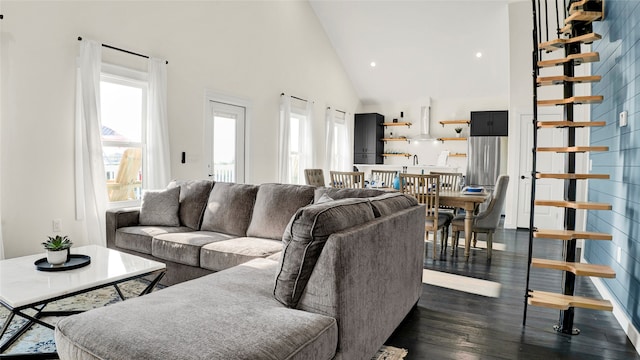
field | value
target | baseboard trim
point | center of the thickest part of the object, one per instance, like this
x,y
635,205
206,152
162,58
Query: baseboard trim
x,y
632,333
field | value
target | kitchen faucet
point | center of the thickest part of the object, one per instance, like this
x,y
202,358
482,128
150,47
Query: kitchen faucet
x,y
415,160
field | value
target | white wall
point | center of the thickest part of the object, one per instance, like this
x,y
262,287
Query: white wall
x,y
251,50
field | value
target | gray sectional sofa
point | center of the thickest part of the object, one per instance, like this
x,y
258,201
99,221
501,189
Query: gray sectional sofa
x,y
295,272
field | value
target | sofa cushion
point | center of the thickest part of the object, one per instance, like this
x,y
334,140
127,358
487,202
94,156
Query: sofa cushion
x,y
305,237
229,208
138,238
222,255
184,248
390,203
193,199
275,205
226,315
336,194
160,207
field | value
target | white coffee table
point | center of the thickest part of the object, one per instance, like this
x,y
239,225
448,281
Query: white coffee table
x,y
22,286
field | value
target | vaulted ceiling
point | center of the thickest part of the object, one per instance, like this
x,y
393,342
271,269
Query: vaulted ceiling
x,y
421,48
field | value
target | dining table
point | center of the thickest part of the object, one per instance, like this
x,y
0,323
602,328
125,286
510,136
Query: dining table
x,y
467,201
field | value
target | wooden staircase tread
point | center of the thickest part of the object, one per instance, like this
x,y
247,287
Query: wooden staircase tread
x,y
570,235
586,16
577,268
575,124
564,302
592,99
572,149
561,79
577,59
568,176
559,43
574,204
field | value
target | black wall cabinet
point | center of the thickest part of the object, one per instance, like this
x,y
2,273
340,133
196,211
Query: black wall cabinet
x,y
367,142
489,123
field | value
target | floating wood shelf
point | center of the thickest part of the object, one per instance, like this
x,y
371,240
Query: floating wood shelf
x,y
408,124
574,124
455,122
556,44
452,139
593,99
586,16
395,139
574,204
458,155
564,302
573,149
561,79
579,269
572,176
577,59
570,235
403,154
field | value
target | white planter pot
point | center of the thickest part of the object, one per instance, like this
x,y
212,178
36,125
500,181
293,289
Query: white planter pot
x,y
57,257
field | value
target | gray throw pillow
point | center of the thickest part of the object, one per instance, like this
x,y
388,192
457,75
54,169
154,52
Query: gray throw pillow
x,y
193,199
391,203
304,240
275,205
160,207
229,208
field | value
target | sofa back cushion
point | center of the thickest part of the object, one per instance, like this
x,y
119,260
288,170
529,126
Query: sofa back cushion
x,y
391,203
304,240
193,198
336,194
275,205
229,208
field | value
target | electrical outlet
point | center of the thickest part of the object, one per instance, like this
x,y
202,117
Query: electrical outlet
x,y
57,225
623,118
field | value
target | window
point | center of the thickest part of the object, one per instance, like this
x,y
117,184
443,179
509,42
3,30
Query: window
x,y
340,146
298,151
123,110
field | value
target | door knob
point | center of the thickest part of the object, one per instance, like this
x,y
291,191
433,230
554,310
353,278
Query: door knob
x,y
523,177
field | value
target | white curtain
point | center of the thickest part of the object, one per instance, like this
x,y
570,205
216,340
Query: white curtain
x,y
306,142
330,123
283,139
91,193
157,167
338,148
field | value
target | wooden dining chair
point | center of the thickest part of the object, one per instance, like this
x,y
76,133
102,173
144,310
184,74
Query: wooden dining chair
x,y
384,177
426,189
347,179
449,181
314,177
487,221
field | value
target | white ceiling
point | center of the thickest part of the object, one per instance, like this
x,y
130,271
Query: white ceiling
x,y
421,48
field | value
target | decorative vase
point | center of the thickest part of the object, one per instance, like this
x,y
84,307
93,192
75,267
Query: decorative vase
x,y
458,134
396,182
57,257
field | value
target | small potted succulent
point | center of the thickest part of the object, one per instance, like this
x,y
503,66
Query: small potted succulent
x,y
458,131
58,249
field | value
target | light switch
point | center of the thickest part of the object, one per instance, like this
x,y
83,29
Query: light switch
x,y
623,118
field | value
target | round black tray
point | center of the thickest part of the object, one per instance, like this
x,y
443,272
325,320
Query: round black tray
x,y
75,261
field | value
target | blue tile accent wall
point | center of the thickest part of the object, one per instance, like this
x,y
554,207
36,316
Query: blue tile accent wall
x,y
619,66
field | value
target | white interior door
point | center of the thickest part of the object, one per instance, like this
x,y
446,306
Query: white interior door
x,y
546,217
225,134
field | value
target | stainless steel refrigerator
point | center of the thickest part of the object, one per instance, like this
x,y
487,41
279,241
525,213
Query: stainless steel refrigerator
x,y
483,161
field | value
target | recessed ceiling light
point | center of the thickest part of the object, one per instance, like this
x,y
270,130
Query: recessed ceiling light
x,y
478,54
373,64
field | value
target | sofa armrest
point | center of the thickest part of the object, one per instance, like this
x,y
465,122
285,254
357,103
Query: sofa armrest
x,y
118,218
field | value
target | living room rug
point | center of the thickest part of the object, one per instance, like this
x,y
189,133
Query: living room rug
x,y
39,339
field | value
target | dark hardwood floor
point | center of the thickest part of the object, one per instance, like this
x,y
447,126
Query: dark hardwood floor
x,y
449,324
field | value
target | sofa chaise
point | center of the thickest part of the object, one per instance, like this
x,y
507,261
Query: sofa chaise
x,y
346,270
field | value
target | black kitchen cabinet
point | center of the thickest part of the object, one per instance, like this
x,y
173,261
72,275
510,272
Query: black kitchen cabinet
x,y
367,138
489,123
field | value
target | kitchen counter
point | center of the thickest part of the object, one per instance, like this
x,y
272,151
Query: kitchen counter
x,y
411,169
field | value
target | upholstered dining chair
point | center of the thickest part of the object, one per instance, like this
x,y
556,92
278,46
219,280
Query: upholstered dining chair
x,y
449,181
314,177
384,177
347,179
487,221
426,188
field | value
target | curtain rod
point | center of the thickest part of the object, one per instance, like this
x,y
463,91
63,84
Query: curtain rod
x,y
123,50
344,112
297,98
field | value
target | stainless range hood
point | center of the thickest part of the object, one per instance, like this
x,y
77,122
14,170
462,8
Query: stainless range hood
x,y
425,117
